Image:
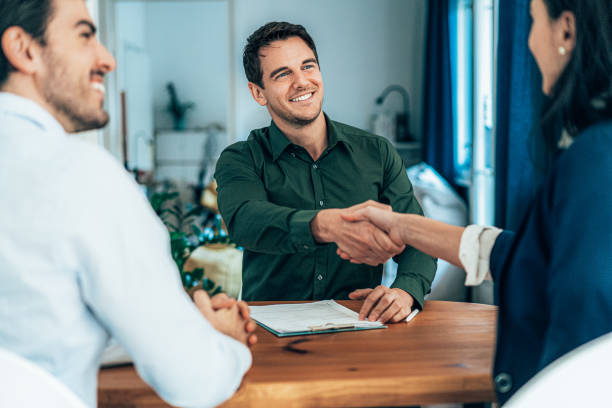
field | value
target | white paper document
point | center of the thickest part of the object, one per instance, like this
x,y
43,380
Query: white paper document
x,y
309,318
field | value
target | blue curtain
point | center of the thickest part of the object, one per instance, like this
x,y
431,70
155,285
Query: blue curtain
x,y
518,101
438,140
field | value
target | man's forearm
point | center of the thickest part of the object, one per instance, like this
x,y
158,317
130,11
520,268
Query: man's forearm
x,y
269,228
321,226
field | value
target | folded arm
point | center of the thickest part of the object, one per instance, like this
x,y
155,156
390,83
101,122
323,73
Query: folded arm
x,y
131,284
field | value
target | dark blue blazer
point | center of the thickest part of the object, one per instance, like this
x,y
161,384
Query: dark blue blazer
x,y
553,277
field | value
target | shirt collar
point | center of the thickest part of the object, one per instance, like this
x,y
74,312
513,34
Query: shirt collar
x,y
26,109
336,135
279,142
566,140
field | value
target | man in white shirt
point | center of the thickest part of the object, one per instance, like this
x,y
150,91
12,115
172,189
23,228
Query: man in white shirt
x,y
82,254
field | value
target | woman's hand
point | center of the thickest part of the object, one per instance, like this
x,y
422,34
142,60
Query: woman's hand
x,y
381,218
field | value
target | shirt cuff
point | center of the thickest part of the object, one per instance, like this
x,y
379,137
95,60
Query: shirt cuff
x,y
412,286
300,232
475,252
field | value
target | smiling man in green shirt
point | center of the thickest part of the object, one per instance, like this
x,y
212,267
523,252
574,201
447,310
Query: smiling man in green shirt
x,y
283,191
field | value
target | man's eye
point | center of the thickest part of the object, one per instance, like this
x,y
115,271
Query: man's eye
x,y
282,74
86,35
309,67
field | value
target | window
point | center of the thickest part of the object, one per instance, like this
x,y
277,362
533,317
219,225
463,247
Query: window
x,y
472,47
460,23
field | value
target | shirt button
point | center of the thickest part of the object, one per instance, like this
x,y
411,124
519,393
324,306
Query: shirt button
x,y
503,383
292,154
314,166
306,247
320,277
321,203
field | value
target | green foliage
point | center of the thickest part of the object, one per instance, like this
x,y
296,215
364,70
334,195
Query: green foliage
x,y
183,243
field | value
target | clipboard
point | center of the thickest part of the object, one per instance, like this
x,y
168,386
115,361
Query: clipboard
x,y
300,319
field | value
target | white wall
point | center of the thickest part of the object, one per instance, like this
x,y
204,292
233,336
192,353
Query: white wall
x,y
134,78
156,42
188,43
92,136
363,46
130,28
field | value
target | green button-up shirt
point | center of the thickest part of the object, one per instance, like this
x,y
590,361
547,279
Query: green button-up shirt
x,y
270,190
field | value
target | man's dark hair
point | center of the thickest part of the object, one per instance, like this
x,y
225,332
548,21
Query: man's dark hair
x,y
31,15
265,35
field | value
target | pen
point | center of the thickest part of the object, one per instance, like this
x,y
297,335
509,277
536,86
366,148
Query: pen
x,y
331,327
411,315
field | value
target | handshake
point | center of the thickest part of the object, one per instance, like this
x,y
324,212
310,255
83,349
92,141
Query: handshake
x,y
369,233
365,233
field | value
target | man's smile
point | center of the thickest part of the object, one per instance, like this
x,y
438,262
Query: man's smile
x,y
303,97
97,81
98,86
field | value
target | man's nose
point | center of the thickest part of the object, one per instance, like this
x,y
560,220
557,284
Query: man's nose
x,y
301,80
105,60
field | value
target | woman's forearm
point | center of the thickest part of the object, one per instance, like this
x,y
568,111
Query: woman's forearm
x,y
432,237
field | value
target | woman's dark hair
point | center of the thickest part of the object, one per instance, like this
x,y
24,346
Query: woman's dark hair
x,y
265,35
31,15
582,96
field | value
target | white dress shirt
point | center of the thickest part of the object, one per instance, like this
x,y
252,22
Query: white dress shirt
x,y
475,252
83,257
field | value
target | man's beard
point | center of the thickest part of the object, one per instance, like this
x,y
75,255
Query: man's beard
x,y
81,119
70,100
294,120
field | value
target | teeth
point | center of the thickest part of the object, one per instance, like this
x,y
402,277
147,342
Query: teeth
x,y
98,86
302,98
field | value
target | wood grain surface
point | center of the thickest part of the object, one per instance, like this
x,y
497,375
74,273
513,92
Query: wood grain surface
x,y
444,355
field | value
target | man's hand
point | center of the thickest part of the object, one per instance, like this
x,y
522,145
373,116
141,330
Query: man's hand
x,y
383,304
370,203
227,316
384,219
361,241
221,301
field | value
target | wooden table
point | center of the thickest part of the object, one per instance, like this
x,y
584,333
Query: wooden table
x,y
444,355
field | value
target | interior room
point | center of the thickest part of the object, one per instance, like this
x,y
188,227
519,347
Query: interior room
x,y
375,60
373,70
374,65
199,52
418,239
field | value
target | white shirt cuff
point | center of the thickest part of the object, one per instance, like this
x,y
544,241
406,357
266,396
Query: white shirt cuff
x,y
475,252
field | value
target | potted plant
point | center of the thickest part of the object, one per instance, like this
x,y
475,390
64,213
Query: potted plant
x,y
186,234
177,109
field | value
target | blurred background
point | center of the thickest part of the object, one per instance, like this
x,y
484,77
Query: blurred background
x,y
449,82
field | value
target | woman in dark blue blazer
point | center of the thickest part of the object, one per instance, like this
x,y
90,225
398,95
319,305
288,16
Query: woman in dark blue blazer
x,y
553,277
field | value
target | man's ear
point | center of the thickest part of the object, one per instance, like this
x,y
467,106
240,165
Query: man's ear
x,y
258,94
20,49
